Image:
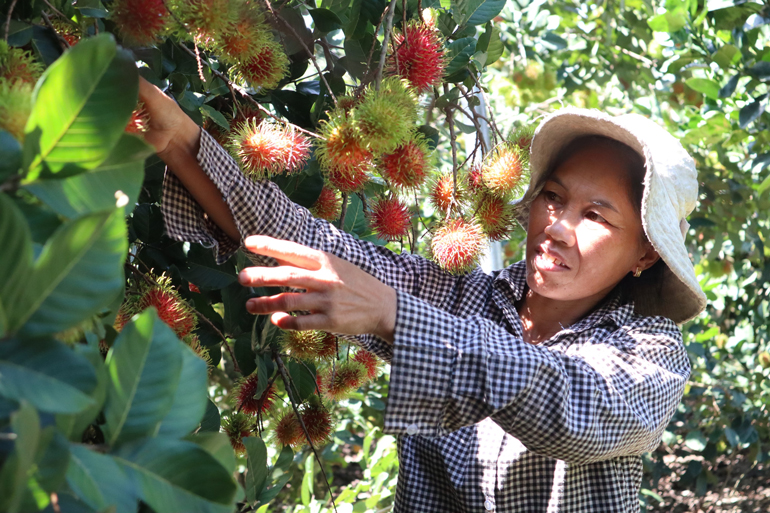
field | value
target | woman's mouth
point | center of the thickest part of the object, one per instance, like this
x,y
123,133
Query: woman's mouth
x,y
548,262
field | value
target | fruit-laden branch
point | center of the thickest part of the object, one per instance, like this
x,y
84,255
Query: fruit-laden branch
x,y
287,383
385,41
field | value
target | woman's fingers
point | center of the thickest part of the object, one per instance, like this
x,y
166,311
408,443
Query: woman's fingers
x,y
286,302
284,276
285,321
285,251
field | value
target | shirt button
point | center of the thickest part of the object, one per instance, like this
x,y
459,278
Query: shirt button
x,y
488,505
412,429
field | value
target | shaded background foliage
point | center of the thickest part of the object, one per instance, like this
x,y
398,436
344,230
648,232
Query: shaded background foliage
x,y
72,440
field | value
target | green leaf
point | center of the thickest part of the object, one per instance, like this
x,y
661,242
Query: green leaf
x,y
459,53
732,437
145,365
115,183
81,107
475,12
729,88
325,20
10,155
256,463
73,425
215,115
705,86
190,398
670,21
25,423
79,270
727,56
760,71
48,374
99,481
303,374
244,355
218,445
751,111
52,459
491,43
15,258
212,421
696,440
175,475
355,217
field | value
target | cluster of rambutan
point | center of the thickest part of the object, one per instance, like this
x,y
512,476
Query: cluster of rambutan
x,y
18,73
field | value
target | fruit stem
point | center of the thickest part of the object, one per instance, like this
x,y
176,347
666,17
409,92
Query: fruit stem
x,y
344,210
8,19
385,40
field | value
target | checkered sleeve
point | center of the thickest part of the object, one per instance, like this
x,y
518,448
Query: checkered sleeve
x,y
260,207
582,402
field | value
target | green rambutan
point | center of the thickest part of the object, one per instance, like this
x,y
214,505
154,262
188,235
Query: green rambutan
x,y
17,65
328,205
418,55
370,362
522,137
398,92
385,118
67,31
340,146
407,166
457,245
15,107
341,380
244,394
495,215
205,19
237,426
390,218
240,40
194,343
505,170
140,22
302,344
442,193
265,69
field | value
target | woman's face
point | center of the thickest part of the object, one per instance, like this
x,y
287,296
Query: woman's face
x,y
584,235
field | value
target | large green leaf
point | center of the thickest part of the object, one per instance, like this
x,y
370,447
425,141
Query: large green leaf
x,y
256,463
99,481
15,257
48,374
81,106
475,12
14,475
10,155
176,475
116,182
459,53
73,425
190,398
218,445
77,273
144,365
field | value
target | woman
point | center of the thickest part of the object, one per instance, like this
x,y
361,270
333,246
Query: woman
x,y
534,389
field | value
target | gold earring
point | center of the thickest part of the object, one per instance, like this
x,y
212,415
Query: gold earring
x,y
638,272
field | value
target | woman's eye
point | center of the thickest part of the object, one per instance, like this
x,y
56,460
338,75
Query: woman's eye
x,y
551,196
594,216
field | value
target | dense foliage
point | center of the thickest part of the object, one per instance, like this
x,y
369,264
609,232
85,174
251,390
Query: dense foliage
x,y
131,374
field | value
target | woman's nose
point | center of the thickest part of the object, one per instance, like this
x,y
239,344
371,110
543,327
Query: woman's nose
x,y
561,227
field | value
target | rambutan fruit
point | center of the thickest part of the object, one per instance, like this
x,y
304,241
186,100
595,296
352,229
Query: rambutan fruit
x,y
381,121
15,107
347,103
343,379
194,343
140,22
193,288
522,137
329,347
390,218
407,166
457,245
475,181
140,120
348,180
340,146
243,36
328,205
268,148
205,19
287,430
245,397
442,194
302,344
370,362
66,31
418,55
266,68
237,426
317,420
505,170
17,65
495,215
172,309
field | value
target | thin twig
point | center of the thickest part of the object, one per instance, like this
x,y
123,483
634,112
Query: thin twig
x,y
286,382
489,108
56,11
341,222
62,42
8,20
453,143
385,41
222,336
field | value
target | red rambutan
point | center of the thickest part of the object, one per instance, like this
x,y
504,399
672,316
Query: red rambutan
x,y
268,148
317,420
457,245
239,41
505,169
407,166
475,180
348,180
341,147
237,426
370,362
339,381
140,22
66,31
442,193
245,396
417,55
303,344
172,309
193,288
140,120
495,215
390,219
287,430
328,205
17,65
329,347
266,68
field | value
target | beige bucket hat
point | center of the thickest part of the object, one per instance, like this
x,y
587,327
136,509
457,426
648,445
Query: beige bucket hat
x,y
670,194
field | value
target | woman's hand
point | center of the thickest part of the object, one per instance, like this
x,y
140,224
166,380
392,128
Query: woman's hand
x,y
170,129
340,297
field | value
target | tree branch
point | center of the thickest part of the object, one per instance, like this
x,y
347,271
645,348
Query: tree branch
x,y
385,41
8,20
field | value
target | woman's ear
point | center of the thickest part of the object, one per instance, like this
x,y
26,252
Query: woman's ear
x,y
648,258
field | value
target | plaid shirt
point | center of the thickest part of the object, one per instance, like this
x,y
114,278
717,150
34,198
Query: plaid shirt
x,y
485,421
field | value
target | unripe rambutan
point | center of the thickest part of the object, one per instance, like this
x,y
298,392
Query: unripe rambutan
x,y
417,55
140,120
140,22
495,215
205,18
348,180
15,107
407,166
237,426
505,170
239,41
522,137
399,92
457,245
329,347
317,420
328,205
268,148
17,65
442,193
246,401
287,430
390,219
266,68
343,379
382,122
370,362
302,344
341,147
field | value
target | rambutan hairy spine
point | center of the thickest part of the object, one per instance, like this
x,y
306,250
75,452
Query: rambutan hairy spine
x,y
407,166
418,55
390,218
244,394
457,245
505,170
